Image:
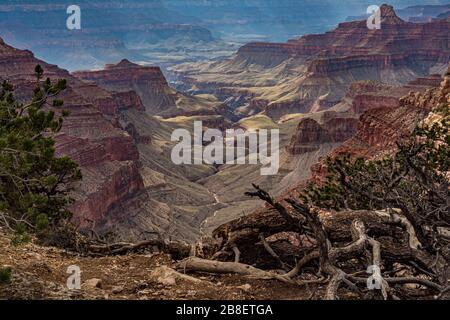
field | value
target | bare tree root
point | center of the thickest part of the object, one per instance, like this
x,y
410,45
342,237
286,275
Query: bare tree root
x,y
339,248
272,252
303,219
237,254
405,280
194,264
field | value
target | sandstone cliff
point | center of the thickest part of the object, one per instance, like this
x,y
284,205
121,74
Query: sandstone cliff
x,y
380,128
152,87
90,135
314,72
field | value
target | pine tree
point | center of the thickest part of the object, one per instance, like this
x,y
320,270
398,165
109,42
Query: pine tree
x,y
34,183
414,180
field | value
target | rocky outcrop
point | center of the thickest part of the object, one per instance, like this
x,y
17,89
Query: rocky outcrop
x,y
126,79
433,81
119,181
107,155
314,72
148,82
369,95
352,45
309,134
128,100
341,129
380,128
364,102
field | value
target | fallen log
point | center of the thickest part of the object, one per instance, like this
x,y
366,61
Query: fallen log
x,y
193,264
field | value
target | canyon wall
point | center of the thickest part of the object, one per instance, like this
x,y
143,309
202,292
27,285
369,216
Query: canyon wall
x,y
314,72
107,155
151,86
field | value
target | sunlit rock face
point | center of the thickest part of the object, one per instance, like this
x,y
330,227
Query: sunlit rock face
x,y
149,83
314,72
381,127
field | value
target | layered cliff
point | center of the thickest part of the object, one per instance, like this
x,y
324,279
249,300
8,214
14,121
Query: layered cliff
x,y
130,186
341,122
314,72
90,135
152,87
380,128
148,82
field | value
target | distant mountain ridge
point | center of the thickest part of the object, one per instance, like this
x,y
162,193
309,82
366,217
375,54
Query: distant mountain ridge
x,y
313,72
416,13
110,30
163,31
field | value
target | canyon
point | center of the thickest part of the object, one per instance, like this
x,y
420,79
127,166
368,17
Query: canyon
x,y
313,73
347,90
168,32
130,186
155,93
109,31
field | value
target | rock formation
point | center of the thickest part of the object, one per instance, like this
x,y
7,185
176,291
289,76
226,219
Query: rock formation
x,y
152,87
314,72
310,134
379,128
148,82
90,135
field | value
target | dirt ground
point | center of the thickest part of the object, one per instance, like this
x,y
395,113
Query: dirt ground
x,y
41,273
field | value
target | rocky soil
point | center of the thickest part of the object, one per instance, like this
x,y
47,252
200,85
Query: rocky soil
x,y
41,273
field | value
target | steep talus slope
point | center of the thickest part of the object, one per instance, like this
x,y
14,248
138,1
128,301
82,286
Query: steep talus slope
x,y
314,72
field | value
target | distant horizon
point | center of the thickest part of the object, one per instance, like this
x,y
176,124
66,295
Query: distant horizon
x,y
154,32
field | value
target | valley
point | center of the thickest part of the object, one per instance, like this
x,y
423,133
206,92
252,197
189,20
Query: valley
x,y
234,150
318,90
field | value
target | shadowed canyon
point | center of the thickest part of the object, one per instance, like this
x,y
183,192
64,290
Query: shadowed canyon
x,y
325,92
135,140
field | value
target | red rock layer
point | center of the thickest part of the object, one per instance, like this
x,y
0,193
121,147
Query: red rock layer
x,y
313,73
90,135
148,82
310,134
352,45
380,128
368,95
